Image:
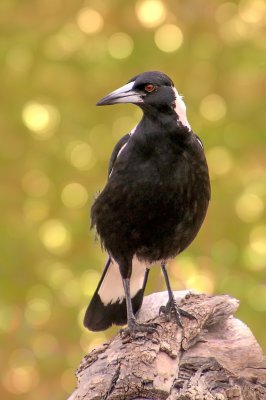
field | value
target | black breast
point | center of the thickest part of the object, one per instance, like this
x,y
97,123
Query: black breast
x,y
156,198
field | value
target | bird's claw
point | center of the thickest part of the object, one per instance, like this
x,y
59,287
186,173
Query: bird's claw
x,y
136,330
171,310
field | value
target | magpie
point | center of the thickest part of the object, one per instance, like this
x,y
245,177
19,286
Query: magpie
x,y
153,204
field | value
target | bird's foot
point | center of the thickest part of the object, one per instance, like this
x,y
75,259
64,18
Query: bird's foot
x,y
172,311
135,330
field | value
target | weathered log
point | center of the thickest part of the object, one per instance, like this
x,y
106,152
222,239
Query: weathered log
x,y
215,357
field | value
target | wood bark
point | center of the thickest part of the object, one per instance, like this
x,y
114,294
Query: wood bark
x,y
214,357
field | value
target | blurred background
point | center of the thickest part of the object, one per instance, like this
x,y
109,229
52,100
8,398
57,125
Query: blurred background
x,y
57,59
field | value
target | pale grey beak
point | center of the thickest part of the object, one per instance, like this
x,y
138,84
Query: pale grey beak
x,y
124,94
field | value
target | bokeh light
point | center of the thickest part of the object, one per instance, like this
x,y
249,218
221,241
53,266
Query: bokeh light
x,y
258,239
20,380
89,20
249,207
40,119
150,13
213,107
55,236
74,195
252,11
120,45
220,160
80,155
168,38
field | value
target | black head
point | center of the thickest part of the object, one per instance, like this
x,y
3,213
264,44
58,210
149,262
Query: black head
x,y
151,87
152,91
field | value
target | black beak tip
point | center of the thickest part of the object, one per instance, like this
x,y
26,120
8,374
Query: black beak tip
x,y
105,101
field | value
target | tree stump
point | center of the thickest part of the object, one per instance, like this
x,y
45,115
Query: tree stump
x,y
215,357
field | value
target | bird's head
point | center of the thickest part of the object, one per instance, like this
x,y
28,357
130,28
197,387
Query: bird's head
x,y
151,90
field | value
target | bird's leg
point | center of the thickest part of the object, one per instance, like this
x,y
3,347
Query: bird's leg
x,y
171,308
133,326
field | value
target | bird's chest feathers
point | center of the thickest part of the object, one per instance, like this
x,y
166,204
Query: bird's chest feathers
x,y
162,155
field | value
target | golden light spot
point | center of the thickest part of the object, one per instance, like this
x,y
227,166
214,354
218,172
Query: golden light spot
x,y
55,236
168,38
120,45
258,239
37,312
80,155
35,183
68,380
44,345
35,210
89,281
150,13
213,107
252,11
70,293
40,119
201,283
19,380
74,195
89,21
220,160
249,207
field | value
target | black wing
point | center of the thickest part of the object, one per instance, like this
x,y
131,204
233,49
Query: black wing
x,y
99,316
116,151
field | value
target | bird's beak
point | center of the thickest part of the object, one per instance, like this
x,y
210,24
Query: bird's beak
x,y
124,94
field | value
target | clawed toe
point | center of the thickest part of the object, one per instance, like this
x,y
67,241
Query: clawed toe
x,y
172,311
135,329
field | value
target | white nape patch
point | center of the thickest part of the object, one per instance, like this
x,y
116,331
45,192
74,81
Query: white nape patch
x,y
112,289
180,109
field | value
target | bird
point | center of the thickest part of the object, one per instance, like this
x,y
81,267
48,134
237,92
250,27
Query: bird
x,y
153,204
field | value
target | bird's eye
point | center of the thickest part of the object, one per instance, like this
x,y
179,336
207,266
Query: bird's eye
x,y
150,88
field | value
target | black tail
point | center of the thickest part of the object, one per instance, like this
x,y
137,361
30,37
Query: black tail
x,y
108,304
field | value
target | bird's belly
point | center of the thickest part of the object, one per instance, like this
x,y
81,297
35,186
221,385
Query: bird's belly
x,y
155,217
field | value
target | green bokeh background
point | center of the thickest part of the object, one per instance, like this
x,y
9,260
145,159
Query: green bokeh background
x,y
57,59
